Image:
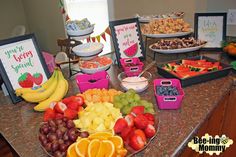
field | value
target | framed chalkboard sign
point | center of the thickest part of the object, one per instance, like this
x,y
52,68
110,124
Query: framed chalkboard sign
x,y
127,39
210,27
21,64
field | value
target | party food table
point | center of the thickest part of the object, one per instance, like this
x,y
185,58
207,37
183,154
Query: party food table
x,y
19,123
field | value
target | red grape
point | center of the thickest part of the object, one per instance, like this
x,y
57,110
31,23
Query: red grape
x,y
84,134
52,137
55,146
63,147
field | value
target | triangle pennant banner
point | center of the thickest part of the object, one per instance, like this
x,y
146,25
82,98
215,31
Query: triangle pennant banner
x,y
88,40
63,10
103,36
67,18
98,38
108,31
93,39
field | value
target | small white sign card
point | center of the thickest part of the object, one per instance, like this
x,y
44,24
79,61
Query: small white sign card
x,y
21,64
231,17
210,27
127,39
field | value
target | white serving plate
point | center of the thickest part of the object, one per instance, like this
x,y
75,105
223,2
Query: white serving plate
x,y
80,32
183,50
91,71
88,49
178,34
88,58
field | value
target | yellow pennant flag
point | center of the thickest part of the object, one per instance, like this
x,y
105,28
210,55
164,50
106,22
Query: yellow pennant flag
x,y
98,38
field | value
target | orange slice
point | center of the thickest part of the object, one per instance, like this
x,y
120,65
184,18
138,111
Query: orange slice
x,y
93,148
107,149
121,152
81,147
100,135
71,151
117,141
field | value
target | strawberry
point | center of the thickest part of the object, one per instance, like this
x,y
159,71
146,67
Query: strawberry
x,y
136,142
120,125
130,120
149,116
59,116
127,132
52,105
25,80
141,134
60,107
150,131
136,110
70,114
80,108
37,78
49,114
78,99
73,105
140,121
66,100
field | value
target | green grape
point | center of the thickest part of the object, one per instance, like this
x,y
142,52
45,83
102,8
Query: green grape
x,y
126,109
142,102
135,104
131,100
131,91
137,97
122,95
130,94
124,102
150,110
116,98
118,105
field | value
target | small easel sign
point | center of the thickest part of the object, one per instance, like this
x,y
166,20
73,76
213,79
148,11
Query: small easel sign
x,y
21,64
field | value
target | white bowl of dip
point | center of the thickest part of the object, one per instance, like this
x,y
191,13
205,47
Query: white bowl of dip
x,y
139,84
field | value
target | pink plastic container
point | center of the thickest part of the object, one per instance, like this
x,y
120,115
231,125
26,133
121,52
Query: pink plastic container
x,y
135,69
169,102
97,80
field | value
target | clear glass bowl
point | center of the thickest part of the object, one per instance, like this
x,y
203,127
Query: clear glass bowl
x,y
139,84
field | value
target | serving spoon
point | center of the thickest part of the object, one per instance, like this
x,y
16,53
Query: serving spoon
x,y
147,67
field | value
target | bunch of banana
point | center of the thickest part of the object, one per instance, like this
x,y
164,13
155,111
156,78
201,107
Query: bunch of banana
x,y
52,90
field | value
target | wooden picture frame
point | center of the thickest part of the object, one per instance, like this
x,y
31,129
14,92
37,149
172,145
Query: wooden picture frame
x,y
20,59
210,27
127,39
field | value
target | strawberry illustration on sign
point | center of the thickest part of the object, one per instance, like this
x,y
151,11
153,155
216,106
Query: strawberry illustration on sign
x,y
37,78
132,50
25,80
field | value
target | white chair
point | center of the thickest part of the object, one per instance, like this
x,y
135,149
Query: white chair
x,y
18,31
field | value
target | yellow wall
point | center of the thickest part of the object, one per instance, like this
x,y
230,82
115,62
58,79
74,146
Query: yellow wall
x,y
45,20
11,14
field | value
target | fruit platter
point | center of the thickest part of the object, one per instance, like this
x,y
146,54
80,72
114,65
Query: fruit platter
x,y
177,45
194,70
79,27
89,123
95,65
169,27
148,18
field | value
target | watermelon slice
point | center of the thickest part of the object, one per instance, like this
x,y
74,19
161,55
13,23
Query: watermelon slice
x,y
132,50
